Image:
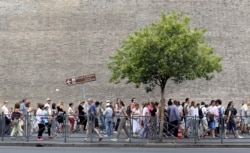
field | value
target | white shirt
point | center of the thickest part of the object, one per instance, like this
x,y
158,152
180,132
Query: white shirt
x,y
49,109
5,110
70,112
108,112
204,112
194,112
145,111
244,110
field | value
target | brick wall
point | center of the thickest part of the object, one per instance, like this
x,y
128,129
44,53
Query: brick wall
x,y
44,42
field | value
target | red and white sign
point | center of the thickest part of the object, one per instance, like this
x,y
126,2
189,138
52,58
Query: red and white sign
x,y
85,78
81,79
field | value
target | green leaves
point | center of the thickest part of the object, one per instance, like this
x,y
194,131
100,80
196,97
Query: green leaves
x,y
166,49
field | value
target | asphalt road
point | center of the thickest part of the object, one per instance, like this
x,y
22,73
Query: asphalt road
x,y
119,150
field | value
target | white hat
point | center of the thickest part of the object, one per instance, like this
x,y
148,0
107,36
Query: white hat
x,y
108,101
6,101
48,99
108,104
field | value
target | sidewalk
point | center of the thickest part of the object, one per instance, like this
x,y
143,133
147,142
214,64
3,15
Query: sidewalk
x,y
76,140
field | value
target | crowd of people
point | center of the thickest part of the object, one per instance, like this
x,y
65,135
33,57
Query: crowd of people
x,y
201,119
108,119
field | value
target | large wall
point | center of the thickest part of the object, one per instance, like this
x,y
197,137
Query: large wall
x,y
44,42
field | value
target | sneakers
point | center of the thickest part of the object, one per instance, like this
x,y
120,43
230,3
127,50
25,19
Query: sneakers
x,y
127,140
105,135
86,140
39,139
135,136
185,136
240,137
114,139
115,132
100,139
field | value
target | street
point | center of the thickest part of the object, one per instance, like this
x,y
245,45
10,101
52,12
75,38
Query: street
x,y
120,150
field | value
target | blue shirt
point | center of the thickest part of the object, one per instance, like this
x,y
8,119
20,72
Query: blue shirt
x,y
173,113
92,112
23,108
108,113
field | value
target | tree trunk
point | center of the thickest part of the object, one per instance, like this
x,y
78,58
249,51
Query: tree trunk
x,y
162,114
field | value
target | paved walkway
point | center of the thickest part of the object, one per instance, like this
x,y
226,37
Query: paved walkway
x,y
76,140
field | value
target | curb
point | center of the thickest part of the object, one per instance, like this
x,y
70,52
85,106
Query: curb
x,y
122,145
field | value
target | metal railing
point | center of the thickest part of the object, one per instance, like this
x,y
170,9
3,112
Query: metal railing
x,y
150,125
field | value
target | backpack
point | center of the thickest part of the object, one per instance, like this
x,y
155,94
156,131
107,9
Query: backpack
x,y
185,110
201,115
210,117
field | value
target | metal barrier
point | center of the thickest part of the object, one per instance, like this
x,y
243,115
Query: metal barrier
x,y
149,125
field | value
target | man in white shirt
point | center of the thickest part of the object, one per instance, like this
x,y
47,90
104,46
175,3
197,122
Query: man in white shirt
x,y
48,105
5,109
203,120
48,125
244,117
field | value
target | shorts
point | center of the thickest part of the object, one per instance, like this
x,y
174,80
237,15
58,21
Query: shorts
x,y
244,121
211,125
71,120
203,124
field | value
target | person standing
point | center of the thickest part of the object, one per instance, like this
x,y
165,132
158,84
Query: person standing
x,y
203,121
5,111
108,113
71,117
47,104
136,120
230,120
17,121
174,117
145,119
53,119
117,114
102,117
60,116
82,117
23,108
40,121
91,120
244,118
122,124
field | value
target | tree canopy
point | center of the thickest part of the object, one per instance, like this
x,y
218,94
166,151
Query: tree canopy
x,y
166,49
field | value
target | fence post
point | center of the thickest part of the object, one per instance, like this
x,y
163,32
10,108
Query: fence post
x,y
2,126
221,128
195,129
65,127
27,127
130,126
90,127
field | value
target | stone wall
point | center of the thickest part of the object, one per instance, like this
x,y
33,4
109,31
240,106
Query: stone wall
x,y
44,42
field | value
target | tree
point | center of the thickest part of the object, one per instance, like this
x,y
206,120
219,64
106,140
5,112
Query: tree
x,y
166,49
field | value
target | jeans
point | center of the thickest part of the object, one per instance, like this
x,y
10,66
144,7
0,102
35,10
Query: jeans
x,y
144,131
117,124
102,119
108,123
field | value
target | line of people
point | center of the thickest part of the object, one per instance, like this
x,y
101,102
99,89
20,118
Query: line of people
x,y
109,118
201,119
